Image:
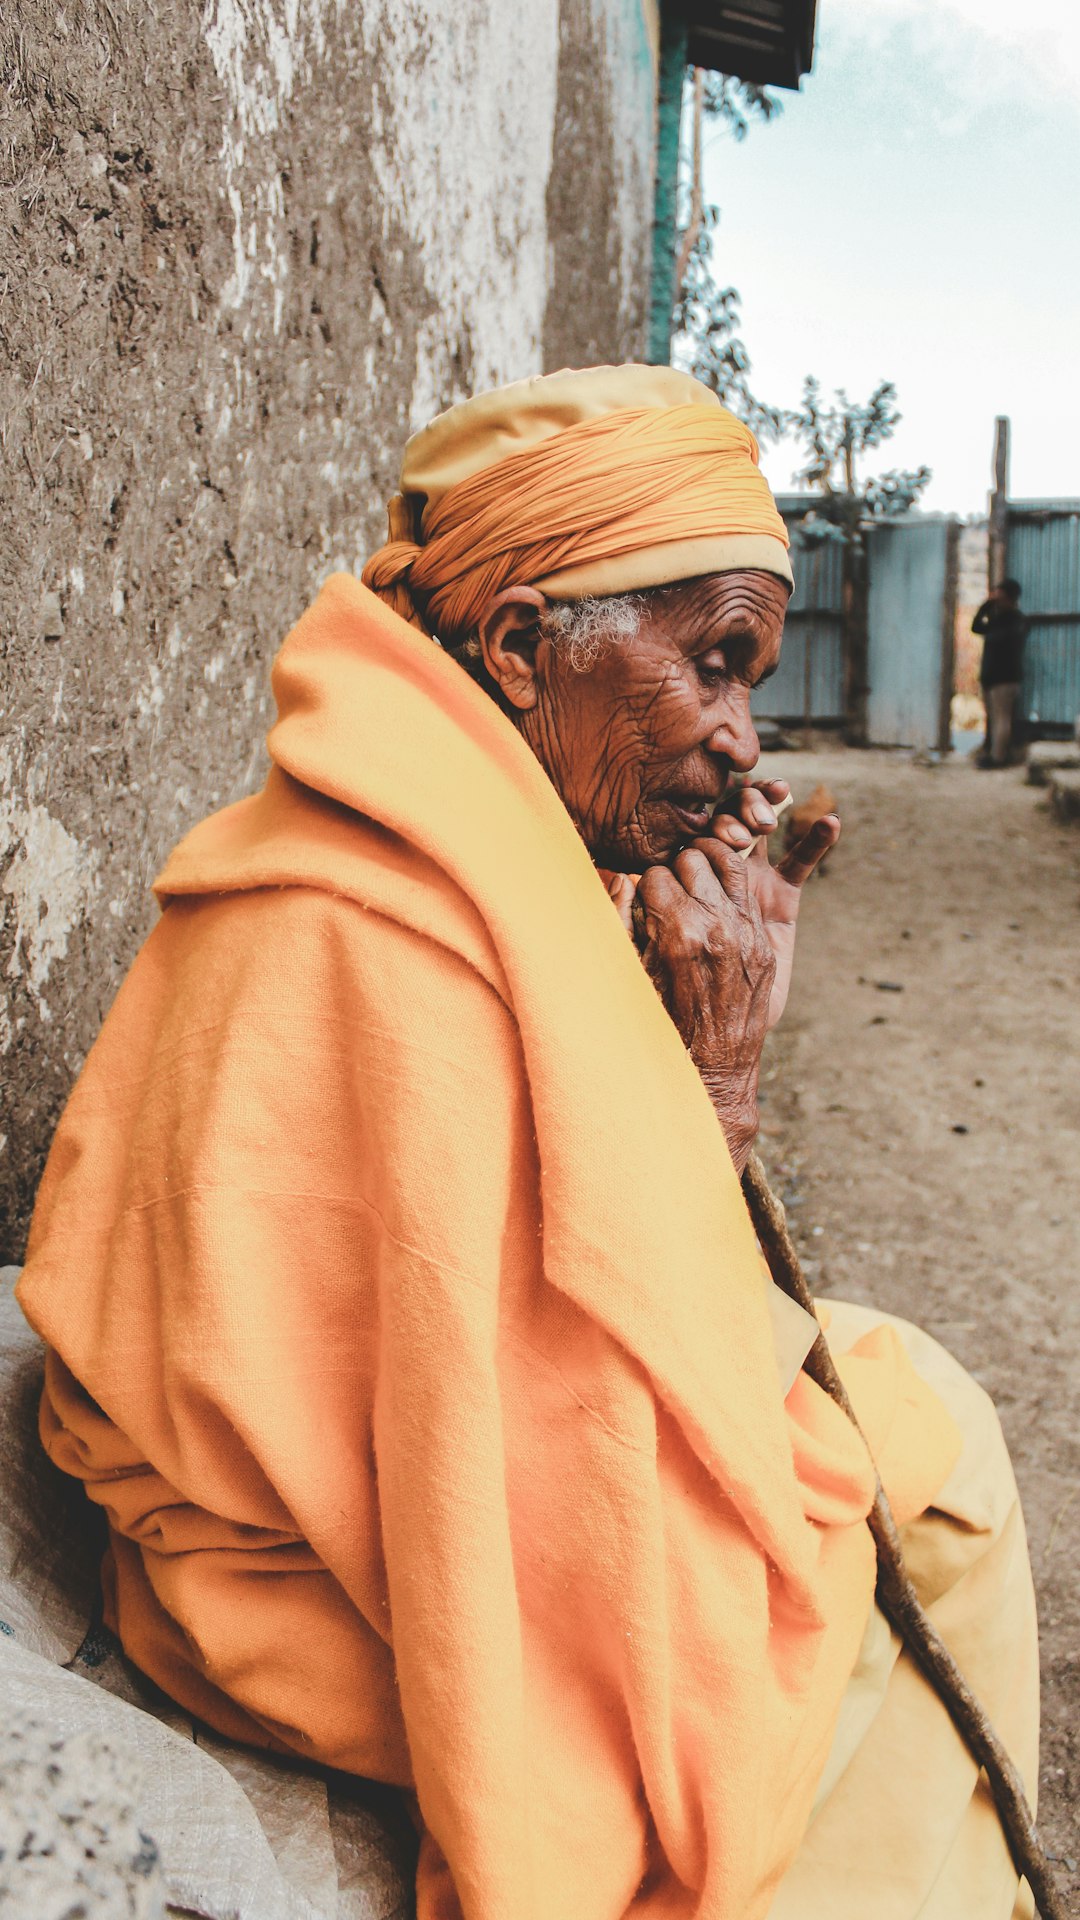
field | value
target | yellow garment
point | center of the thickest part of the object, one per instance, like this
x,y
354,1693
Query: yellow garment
x,y
406,1318
904,1826
600,481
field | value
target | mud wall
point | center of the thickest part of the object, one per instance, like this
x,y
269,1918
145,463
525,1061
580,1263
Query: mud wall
x,y
246,247
971,592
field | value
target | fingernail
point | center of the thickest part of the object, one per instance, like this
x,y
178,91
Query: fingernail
x,y
738,836
764,816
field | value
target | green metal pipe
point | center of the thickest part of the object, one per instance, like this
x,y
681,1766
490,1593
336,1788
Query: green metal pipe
x,y
672,73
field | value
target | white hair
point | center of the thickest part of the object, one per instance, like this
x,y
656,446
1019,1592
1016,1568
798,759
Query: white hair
x,y
584,630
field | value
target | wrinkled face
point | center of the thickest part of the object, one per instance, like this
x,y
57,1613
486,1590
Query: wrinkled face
x,y
643,745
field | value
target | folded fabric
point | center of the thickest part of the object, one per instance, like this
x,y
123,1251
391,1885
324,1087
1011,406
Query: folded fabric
x,y
407,1320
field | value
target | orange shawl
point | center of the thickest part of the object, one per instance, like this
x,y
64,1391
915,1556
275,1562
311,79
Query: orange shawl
x,y
407,1322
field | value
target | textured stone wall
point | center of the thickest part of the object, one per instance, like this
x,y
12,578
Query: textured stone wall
x,y
244,249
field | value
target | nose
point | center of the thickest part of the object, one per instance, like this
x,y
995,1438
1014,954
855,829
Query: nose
x,y
735,736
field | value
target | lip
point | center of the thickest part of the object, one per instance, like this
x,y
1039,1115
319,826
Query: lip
x,y
696,817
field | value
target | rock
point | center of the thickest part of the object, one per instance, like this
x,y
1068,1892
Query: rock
x,y
70,1840
1065,793
1044,757
50,617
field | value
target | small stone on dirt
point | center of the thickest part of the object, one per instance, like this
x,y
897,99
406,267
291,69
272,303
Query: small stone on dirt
x,y
50,617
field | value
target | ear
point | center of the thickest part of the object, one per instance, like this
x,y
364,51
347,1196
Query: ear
x,y
509,641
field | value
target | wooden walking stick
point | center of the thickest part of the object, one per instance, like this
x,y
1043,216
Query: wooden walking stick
x,y
896,1596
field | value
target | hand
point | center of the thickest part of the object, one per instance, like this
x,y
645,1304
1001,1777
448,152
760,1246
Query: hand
x,y
777,890
700,933
621,888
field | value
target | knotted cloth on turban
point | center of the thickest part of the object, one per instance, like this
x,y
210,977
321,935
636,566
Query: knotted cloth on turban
x,y
607,480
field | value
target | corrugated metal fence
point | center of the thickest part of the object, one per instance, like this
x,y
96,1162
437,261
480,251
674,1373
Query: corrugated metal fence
x,y
1043,553
911,566
808,686
904,651
911,571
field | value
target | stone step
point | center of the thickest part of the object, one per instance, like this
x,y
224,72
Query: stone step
x,y
1045,756
1065,793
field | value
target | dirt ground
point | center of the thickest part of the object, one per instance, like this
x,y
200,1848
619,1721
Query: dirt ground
x,y
922,1122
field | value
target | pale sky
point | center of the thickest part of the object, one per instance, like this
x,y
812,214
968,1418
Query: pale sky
x,y
914,214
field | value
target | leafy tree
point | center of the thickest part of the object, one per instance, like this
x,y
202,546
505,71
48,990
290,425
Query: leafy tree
x,y
836,434
736,103
706,340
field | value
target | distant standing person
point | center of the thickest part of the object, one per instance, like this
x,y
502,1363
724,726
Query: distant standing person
x,y
1005,629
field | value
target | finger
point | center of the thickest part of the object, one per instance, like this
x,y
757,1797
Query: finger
x,y
729,829
773,791
698,878
799,864
621,890
658,891
753,807
726,867
658,886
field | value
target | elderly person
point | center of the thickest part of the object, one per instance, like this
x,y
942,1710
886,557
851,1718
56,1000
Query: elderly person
x,y
403,1308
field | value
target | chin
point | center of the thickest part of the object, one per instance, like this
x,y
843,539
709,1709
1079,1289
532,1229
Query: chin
x,y
630,856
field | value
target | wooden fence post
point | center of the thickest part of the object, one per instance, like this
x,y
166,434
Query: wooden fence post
x,y
996,550
948,634
856,633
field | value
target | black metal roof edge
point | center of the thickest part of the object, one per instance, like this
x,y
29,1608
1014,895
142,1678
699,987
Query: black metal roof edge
x,y
770,54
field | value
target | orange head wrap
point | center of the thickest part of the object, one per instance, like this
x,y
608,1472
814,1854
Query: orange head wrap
x,y
603,481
